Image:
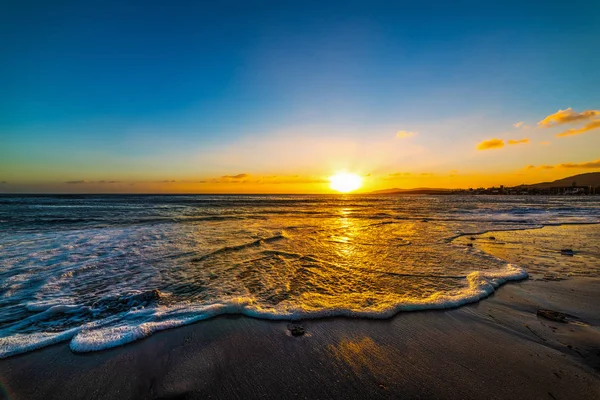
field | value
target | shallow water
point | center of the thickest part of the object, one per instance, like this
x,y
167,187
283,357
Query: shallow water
x,y
101,271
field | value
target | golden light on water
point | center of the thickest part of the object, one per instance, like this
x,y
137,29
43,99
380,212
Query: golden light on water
x,y
345,182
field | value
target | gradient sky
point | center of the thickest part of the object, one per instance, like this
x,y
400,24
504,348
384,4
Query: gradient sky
x,y
249,96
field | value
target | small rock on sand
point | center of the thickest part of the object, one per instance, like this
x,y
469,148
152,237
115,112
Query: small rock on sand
x,y
552,315
296,330
567,252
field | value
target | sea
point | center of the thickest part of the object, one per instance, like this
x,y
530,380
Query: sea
x,y
101,271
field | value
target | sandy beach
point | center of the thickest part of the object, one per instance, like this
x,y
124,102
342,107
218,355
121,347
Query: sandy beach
x,y
497,348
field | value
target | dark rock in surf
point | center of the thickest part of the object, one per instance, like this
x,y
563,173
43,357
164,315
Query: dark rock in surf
x,y
492,238
567,252
552,315
126,302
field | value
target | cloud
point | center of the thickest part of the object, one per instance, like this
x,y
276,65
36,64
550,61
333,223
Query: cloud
x,y
595,124
567,116
83,181
238,176
291,179
585,165
519,141
399,174
490,144
405,134
427,174
272,179
518,124
590,165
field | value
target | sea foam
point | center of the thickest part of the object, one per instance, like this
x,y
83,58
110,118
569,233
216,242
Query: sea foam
x,y
140,323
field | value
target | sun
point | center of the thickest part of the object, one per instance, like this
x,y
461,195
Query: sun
x,y
345,182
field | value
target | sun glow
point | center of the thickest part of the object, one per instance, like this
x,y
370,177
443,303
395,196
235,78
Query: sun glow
x,y
345,182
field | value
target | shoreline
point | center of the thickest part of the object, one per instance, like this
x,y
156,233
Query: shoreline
x,y
495,347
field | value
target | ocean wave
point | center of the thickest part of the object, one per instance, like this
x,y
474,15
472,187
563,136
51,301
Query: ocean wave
x,y
143,319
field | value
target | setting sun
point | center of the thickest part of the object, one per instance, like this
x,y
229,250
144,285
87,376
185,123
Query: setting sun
x,y
345,182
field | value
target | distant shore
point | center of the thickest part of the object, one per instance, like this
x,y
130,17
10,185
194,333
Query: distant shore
x,y
501,347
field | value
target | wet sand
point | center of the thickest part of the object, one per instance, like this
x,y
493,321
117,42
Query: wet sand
x,y
496,348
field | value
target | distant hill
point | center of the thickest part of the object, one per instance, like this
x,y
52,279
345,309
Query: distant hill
x,y
589,179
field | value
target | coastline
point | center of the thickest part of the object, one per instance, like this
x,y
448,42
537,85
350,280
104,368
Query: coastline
x,y
497,347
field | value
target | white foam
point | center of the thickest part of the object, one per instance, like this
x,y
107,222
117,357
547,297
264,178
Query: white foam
x,y
22,343
139,324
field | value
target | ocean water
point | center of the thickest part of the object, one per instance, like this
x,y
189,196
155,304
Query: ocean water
x,y
101,271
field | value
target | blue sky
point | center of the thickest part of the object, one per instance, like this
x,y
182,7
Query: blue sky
x,y
151,90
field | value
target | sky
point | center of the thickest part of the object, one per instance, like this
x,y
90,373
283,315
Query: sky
x,y
277,96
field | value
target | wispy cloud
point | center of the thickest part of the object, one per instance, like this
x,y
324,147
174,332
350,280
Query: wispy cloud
x,y
519,124
592,125
4,183
518,141
566,117
238,178
490,144
83,181
590,164
405,134
585,165
398,174
271,179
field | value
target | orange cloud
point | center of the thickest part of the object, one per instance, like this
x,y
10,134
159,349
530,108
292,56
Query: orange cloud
x,y
595,124
566,117
398,175
83,181
273,179
584,165
518,141
405,134
590,164
490,144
